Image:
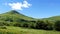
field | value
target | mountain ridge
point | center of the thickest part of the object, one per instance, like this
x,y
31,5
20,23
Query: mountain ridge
x,y
14,18
17,14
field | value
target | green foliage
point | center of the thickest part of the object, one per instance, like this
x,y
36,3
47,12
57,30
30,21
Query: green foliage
x,y
14,18
40,25
19,30
3,27
57,25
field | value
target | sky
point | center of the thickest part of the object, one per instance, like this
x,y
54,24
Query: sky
x,y
32,8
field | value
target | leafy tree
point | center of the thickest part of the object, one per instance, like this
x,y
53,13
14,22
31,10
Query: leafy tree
x,y
17,24
57,25
40,25
48,25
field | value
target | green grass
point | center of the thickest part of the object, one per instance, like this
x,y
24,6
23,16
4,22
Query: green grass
x,y
16,15
19,30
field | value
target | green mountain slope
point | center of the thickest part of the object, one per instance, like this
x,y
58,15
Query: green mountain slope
x,y
52,18
14,15
14,18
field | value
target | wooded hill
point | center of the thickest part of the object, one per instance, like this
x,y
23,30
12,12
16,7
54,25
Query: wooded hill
x,y
14,18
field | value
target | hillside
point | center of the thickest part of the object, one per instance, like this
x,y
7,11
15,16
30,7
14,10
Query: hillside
x,y
53,18
14,15
16,19
19,30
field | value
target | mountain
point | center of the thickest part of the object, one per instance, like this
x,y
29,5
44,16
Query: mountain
x,y
14,16
13,12
53,18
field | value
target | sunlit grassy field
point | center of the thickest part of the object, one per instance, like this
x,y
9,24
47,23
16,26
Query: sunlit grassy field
x,y
19,30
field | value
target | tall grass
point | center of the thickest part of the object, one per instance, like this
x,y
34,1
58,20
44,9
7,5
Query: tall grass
x,y
18,30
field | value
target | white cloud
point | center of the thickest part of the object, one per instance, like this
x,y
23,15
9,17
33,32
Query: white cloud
x,y
26,4
16,6
19,6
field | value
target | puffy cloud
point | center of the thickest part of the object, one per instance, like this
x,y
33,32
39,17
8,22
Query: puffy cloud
x,y
19,5
26,4
16,6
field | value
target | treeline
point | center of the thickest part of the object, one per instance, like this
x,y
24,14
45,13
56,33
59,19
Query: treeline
x,y
39,24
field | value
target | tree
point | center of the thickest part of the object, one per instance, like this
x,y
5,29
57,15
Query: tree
x,y
57,25
48,25
17,24
40,25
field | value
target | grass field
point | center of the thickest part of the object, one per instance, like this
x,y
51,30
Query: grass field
x,y
19,30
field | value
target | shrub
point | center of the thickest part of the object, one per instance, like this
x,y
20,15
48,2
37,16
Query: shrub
x,y
57,25
3,27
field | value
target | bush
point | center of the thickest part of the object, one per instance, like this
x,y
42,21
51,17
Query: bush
x,y
3,27
48,25
57,25
17,24
40,25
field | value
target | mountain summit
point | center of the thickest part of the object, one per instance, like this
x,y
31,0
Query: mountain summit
x,y
13,12
15,15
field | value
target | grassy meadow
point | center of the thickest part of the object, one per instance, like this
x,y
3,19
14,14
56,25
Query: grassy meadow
x,y
20,30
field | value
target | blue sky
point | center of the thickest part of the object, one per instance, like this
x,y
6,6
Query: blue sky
x,y
32,8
